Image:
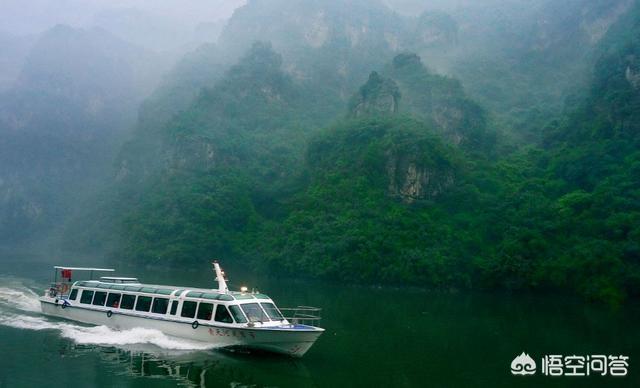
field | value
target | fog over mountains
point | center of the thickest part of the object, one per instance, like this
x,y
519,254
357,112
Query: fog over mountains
x,y
446,144
73,76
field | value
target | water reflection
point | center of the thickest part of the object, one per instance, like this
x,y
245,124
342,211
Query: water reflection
x,y
205,368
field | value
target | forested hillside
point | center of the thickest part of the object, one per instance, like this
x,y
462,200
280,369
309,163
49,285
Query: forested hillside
x,y
441,146
570,212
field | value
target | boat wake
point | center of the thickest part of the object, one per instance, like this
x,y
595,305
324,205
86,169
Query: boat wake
x,y
20,299
101,335
20,308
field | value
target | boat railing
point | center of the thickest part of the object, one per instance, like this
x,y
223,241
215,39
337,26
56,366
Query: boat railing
x,y
304,315
59,289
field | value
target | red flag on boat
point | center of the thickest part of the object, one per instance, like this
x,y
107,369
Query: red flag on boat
x,y
66,273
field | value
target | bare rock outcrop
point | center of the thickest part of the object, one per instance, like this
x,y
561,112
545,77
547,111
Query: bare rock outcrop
x,y
378,97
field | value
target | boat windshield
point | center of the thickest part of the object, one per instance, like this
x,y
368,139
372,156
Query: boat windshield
x,y
254,312
237,314
272,311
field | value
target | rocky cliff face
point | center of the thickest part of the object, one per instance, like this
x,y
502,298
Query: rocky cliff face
x,y
440,101
309,23
330,43
411,181
434,30
632,75
379,96
597,20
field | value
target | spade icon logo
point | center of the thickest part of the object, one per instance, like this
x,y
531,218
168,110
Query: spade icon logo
x,y
523,365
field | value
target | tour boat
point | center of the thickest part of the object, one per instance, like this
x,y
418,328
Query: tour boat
x,y
224,318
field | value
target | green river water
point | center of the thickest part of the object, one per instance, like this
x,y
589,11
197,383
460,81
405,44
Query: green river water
x,y
375,337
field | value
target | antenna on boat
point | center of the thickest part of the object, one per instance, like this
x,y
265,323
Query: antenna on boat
x,y
222,283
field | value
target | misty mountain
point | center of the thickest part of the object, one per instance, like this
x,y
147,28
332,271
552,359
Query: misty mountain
x,y
75,98
237,138
332,43
13,51
144,28
179,88
442,102
245,148
157,25
393,181
575,222
89,71
524,59
446,145
165,30
521,59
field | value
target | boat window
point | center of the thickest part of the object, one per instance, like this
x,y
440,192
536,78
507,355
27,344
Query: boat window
x,y
222,314
99,298
74,294
132,288
164,291
160,305
148,290
244,296
205,311
261,296
127,302
179,292
113,300
117,287
103,285
174,307
272,311
254,312
143,303
188,309
194,294
210,296
86,297
226,297
237,314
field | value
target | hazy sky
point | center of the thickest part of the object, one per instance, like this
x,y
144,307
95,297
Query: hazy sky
x,y
33,16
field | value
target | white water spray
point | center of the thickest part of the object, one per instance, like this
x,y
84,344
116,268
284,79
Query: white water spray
x,y
21,299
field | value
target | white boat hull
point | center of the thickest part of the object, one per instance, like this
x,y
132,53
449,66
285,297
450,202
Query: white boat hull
x,y
292,340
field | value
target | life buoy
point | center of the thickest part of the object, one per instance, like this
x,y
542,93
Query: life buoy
x,y
109,313
64,287
195,325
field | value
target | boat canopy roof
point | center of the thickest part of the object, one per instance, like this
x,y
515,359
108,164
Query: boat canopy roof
x,y
115,279
212,294
85,268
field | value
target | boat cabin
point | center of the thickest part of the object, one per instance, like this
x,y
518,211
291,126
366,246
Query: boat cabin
x,y
127,296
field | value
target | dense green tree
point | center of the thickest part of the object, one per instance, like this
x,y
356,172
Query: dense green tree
x,y
298,163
